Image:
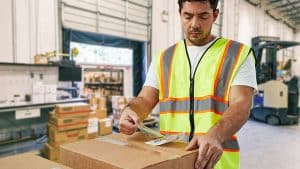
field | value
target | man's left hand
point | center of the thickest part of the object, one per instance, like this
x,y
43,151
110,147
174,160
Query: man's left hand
x,y
210,151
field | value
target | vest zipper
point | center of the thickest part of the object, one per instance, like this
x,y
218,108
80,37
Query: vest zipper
x,y
191,113
192,77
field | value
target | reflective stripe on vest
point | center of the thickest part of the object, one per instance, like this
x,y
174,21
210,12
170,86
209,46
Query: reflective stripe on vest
x,y
183,106
166,63
226,69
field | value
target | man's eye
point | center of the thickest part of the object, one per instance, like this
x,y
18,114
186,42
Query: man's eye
x,y
187,16
204,16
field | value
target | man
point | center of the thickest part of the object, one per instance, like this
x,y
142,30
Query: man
x,y
204,86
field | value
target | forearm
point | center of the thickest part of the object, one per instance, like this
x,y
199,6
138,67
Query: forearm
x,y
235,116
144,102
140,106
232,120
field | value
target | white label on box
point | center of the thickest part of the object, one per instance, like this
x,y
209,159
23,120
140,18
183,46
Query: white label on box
x,y
26,114
158,142
108,123
93,125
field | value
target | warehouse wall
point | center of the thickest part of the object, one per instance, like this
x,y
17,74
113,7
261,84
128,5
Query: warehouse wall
x,y
296,65
242,21
31,25
6,32
166,27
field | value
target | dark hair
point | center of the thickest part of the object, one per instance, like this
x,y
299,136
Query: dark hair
x,y
213,3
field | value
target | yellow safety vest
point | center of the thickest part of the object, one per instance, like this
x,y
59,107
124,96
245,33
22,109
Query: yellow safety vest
x,y
193,104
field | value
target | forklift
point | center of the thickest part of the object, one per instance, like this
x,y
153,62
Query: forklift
x,y
276,101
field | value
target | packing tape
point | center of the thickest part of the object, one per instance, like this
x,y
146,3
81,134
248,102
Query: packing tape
x,y
112,141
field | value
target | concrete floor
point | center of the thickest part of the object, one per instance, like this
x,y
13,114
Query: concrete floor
x,y
269,147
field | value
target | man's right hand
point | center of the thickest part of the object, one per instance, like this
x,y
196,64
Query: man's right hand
x,y
129,121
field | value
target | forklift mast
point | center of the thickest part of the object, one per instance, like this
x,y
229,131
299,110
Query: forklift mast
x,y
268,70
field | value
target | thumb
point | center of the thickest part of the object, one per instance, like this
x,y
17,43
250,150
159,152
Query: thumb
x,y
134,118
193,144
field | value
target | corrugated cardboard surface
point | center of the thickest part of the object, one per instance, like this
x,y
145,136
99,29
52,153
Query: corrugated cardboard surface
x,y
122,151
72,109
69,123
101,113
105,126
27,161
57,138
51,153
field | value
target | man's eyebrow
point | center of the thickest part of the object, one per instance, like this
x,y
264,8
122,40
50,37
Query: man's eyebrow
x,y
202,13
187,13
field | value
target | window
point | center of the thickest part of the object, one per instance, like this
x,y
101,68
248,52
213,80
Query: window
x,y
102,55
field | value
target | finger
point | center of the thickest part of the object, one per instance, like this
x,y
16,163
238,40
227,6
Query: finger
x,y
203,156
126,127
193,144
211,163
126,123
134,119
126,131
218,157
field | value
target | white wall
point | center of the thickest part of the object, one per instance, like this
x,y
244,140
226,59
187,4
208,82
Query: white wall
x,y
166,30
6,31
242,21
31,25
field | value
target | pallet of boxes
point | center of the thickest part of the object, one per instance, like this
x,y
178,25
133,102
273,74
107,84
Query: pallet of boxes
x,y
99,117
67,123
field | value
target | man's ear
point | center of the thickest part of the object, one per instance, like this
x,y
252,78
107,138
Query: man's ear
x,y
216,14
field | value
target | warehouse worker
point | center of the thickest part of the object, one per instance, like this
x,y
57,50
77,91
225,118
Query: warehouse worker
x,y
204,86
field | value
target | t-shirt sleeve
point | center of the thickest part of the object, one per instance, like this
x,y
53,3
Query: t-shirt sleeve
x,y
246,75
151,78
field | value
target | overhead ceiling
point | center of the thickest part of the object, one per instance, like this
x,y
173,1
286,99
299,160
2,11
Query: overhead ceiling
x,y
287,11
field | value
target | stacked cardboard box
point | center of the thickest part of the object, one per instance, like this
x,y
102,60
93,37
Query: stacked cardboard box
x,y
68,123
99,124
122,151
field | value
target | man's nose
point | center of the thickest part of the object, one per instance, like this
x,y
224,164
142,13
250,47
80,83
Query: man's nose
x,y
195,22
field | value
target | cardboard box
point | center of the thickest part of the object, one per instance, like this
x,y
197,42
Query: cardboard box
x,y
101,102
40,59
121,151
51,153
29,161
69,123
57,138
105,126
72,110
101,114
92,135
92,128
